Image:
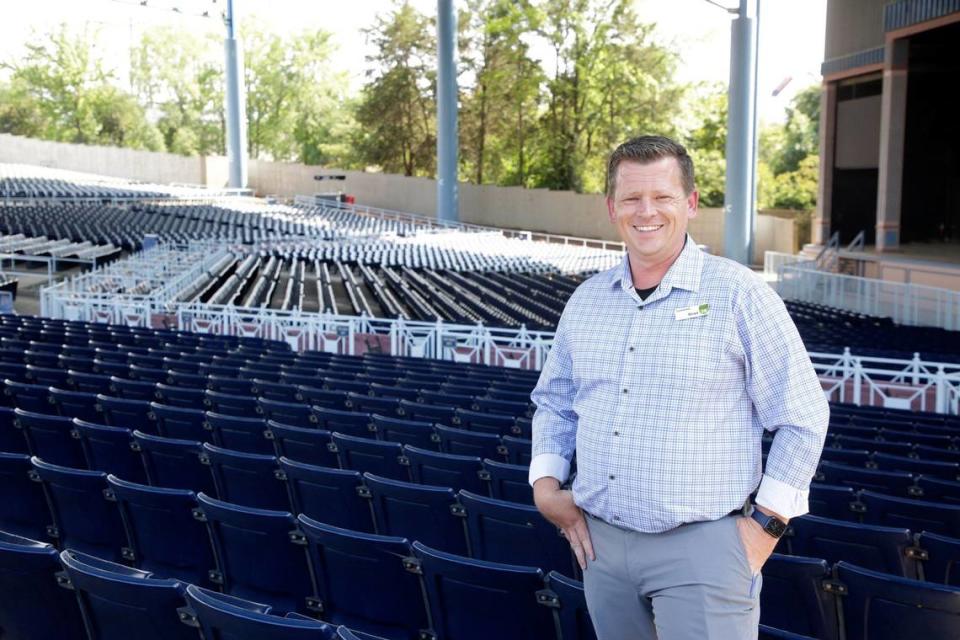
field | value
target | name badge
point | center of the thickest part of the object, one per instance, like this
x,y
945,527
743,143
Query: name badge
x,y
696,311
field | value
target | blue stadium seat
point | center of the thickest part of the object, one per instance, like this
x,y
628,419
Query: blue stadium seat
x,y
75,404
222,385
945,470
163,534
446,470
362,581
85,516
363,454
147,374
322,397
303,445
513,533
239,434
350,423
184,397
89,382
120,603
772,633
446,396
565,596
828,501
941,563
937,490
469,443
407,432
426,513
382,390
51,438
248,479
222,616
343,633
108,449
173,463
883,607
334,496
233,405
873,547
180,422
133,389
508,481
28,396
256,557
48,376
295,414
890,482
135,415
849,457
517,450
23,507
11,436
463,594
34,606
484,422
186,380
426,412
274,391
372,404
794,599
917,515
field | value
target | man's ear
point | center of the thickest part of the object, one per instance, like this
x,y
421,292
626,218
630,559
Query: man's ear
x,y
611,211
693,200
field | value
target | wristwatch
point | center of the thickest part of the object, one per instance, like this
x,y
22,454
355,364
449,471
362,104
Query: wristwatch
x,y
774,526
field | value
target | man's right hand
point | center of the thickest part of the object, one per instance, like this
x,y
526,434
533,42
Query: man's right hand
x,y
557,506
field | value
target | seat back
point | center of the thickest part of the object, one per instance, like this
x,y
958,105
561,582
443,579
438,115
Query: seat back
x,y
336,497
918,515
446,470
51,438
426,513
311,446
462,593
75,404
942,562
12,439
164,534
173,463
248,479
889,482
293,413
256,557
181,423
120,602
108,449
135,415
350,423
23,507
566,597
513,533
830,501
84,513
28,396
509,481
793,597
469,443
361,580
884,607
239,434
870,546
34,606
407,432
218,615
364,455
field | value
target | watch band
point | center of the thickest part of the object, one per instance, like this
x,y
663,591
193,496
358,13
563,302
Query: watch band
x,y
773,526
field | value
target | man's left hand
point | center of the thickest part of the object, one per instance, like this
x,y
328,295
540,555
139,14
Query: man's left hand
x,y
756,542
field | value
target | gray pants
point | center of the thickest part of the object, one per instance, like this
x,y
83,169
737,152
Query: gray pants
x,y
691,583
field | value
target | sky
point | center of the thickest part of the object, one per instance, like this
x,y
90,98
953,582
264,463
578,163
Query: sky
x,y
790,44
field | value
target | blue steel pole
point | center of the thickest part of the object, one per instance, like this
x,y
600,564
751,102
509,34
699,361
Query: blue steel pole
x,y
235,108
741,134
447,188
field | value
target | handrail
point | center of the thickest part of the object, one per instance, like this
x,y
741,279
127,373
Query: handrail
x,y
857,243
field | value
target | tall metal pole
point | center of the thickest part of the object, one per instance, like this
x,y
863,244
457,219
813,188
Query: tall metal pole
x,y
448,198
236,103
740,191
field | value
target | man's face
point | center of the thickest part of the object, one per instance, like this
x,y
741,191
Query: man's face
x,y
650,209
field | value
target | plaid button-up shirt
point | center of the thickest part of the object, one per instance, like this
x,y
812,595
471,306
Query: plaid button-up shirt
x,y
665,400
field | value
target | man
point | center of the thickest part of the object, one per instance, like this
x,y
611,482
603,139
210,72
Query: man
x,y
663,375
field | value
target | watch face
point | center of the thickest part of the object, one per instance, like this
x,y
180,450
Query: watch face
x,y
775,527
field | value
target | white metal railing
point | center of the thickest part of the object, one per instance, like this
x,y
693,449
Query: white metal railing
x,y
911,384
773,260
908,304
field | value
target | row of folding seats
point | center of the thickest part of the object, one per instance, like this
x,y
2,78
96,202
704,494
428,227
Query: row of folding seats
x,y
851,413
888,548
366,588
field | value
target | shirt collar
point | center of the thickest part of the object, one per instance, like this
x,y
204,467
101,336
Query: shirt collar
x,y
684,273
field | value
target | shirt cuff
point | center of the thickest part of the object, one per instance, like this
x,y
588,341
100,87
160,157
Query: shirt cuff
x,y
781,498
549,465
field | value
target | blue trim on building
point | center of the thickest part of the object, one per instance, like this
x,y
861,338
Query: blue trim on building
x,y
852,61
905,13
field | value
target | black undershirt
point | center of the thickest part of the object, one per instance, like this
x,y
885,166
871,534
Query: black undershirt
x,y
645,293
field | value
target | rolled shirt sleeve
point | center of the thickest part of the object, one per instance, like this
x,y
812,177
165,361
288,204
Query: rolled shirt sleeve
x,y
788,399
555,421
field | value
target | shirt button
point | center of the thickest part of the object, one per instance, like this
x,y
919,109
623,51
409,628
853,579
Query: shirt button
x,y
640,307
631,349
616,517
613,477
616,433
626,390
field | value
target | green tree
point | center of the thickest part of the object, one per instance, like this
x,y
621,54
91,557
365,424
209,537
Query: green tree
x,y
396,110
706,140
